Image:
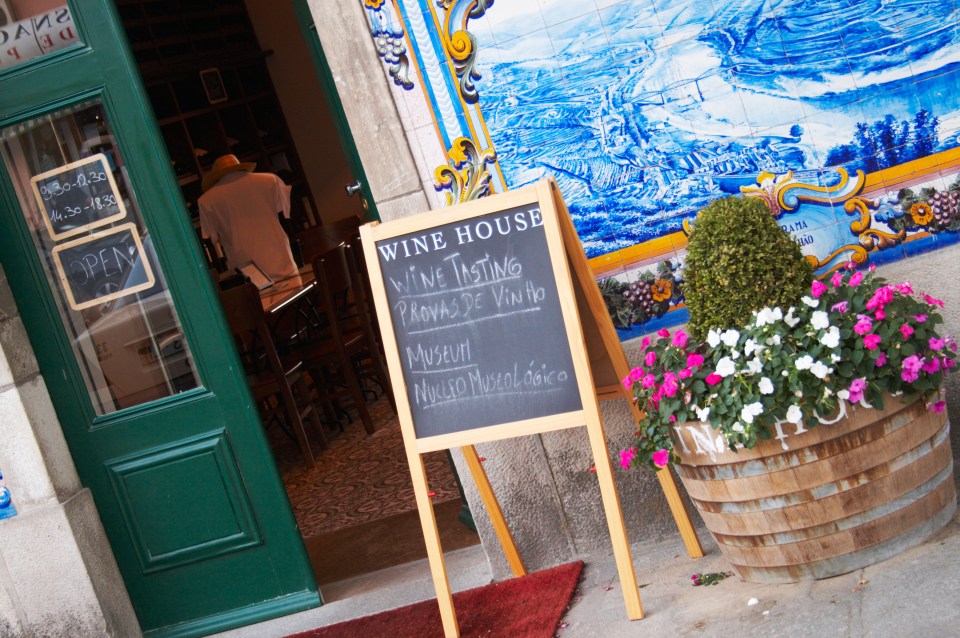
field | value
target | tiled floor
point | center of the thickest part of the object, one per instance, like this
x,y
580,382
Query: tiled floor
x,y
359,478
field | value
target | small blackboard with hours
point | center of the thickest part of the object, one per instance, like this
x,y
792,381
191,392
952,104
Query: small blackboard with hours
x,y
479,329
78,196
103,266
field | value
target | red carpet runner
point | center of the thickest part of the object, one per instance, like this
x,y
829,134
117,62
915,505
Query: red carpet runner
x,y
527,607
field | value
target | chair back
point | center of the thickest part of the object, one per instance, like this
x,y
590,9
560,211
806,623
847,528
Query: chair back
x,y
319,239
244,312
333,274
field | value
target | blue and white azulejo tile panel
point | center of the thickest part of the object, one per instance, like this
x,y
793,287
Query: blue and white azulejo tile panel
x,y
843,115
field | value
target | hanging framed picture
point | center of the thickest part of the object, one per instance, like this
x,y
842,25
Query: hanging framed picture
x,y
213,85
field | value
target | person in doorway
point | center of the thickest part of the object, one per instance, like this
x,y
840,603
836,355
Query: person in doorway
x,y
239,209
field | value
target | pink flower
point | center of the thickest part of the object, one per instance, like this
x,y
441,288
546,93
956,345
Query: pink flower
x,y
855,279
713,379
694,360
839,307
849,265
636,374
673,418
663,332
645,343
905,288
650,359
871,341
686,373
649,381
906,330
931,365
679,339
881,297
627,382
817,289
661,458
872,268
911,368
857,386
882,360
933,301
864,325
939,406
879,315
920,318
670,384
837,279
949,363
936,344
626,457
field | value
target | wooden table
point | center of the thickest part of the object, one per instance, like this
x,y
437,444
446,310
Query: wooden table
x,y
286,292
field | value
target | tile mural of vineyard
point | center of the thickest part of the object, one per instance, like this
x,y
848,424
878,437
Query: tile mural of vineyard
x,y
844,117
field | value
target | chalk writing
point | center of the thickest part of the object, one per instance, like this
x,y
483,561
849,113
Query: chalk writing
x,y
78,196
103,266
477,318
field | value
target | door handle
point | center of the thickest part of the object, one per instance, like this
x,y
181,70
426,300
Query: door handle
x,y
354,188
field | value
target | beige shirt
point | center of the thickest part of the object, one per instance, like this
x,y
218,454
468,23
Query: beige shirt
x,y
240,212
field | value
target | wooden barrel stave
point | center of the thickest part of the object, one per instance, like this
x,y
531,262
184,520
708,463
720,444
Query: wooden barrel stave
x,y
853,493
795,511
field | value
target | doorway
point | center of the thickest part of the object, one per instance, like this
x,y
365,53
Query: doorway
x,y
251,89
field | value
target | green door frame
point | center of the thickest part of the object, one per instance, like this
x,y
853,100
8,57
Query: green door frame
x,y
213,429
329,88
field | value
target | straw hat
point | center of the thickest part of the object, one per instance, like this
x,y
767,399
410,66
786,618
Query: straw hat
x,y
223,165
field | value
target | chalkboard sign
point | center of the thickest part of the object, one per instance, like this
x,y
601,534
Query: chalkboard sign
x,y
483,308
103,266
77,197
478,324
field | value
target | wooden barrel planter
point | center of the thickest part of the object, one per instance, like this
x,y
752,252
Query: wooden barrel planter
x,y
822,502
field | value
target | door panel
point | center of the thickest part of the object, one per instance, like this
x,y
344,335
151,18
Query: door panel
x,y
134,348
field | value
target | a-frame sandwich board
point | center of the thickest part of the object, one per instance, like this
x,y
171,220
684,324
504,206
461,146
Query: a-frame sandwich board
x,y
483,336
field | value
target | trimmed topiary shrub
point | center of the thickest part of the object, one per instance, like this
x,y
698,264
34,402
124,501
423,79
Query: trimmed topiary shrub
x,y
739,260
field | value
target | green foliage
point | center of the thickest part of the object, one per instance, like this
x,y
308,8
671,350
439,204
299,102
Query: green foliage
x,y
740,260
855,339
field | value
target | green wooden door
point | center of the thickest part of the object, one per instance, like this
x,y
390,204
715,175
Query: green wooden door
x,y
309,29
131,341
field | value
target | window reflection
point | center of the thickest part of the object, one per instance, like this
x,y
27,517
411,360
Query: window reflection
x,y
32,28
98,257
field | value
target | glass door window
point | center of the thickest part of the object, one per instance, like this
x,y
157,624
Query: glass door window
x,y
33,28
98,257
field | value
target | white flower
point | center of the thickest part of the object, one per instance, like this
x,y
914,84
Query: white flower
x,y
843,394
734,354
835,358
750,411
730,337
785,374
832,338
713,338
820,369
766,386
804,362
726,367
810,301
794,414
703,414
820,320
790,320
738,427
755,365
774,340
764,317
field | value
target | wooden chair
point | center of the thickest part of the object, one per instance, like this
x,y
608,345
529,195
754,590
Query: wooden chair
x,y
270,381
354,303
330,352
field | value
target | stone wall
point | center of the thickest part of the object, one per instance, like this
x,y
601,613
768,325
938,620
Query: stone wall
x,y
58,576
